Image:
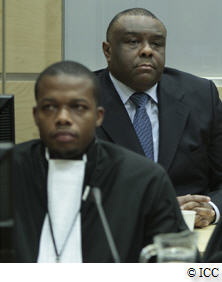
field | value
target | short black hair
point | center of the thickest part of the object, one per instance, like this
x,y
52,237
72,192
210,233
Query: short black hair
x,y
69,68
130,12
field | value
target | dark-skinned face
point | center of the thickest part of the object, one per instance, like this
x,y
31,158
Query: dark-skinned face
x,y
66,114
135,52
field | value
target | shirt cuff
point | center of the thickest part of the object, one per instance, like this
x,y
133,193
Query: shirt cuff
x,y
216,211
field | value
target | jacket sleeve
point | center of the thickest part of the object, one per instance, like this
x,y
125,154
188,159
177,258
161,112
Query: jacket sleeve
x,y
165,215
215,151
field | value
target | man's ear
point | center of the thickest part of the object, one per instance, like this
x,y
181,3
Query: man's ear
x,y
107,50
100,116
35,115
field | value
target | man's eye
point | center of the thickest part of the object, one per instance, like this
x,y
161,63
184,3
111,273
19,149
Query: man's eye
x,y
133,41
157,43
79,107
48,107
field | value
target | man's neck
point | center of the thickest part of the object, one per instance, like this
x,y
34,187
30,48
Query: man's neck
x,y
71,155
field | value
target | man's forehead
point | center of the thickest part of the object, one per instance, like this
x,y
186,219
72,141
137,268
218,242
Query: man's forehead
x,y
65,80
65,83
138,24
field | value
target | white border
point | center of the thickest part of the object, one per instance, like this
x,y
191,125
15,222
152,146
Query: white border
x,y
110,272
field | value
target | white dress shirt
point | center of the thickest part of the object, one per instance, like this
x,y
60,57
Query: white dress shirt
x,y
64,187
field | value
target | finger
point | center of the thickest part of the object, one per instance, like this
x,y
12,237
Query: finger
x,y
206,205
192,198
197,220
183,199
205,212
190,205
200,198
202,223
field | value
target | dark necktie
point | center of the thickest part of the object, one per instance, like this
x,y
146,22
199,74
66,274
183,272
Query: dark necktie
x,y
142,124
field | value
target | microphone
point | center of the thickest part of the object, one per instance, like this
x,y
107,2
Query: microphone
x,y
96,195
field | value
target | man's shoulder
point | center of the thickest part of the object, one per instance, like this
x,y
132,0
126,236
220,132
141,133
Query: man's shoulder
x,y
27,148
181,76
175,80
103,75
101,72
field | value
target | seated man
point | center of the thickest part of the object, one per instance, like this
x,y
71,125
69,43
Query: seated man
x,y
56,218
170,116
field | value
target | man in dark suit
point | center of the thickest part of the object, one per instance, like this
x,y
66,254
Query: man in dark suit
x,y
180,123
56,218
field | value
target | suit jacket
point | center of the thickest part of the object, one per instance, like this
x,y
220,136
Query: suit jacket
x,y
190,130
137,197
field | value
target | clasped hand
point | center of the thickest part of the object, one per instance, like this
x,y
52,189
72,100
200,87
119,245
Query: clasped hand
x,y
205,213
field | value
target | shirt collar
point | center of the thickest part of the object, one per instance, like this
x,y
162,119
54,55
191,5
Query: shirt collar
x,y
125,92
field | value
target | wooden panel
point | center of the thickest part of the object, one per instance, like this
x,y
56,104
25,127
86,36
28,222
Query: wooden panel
x,y
33,41
25,128
34,34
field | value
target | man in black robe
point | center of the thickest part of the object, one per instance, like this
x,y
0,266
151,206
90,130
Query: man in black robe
x,y
137,196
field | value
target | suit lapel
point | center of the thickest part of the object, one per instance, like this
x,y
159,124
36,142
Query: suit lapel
x,y
117,123
173,114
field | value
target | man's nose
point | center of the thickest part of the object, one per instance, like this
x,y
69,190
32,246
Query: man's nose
x,y
146,50
63,117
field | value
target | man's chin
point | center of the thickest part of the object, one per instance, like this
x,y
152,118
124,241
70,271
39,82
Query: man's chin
x,y
65,154
143,82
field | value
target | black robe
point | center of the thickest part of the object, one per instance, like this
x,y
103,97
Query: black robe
x,y
137,197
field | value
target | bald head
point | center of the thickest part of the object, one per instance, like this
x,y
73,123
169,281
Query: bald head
x,y
128,12
135,49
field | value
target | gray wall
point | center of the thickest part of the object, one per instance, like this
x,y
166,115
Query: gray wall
x,y
194,42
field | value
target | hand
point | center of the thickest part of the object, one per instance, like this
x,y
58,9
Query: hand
x,y
205,213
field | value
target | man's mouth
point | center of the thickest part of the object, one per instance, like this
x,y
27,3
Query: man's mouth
x,y
65,136
145,66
